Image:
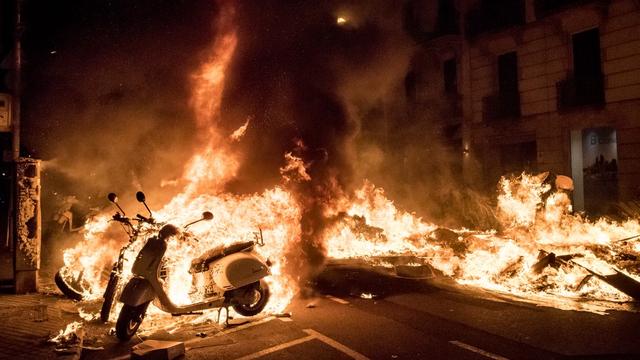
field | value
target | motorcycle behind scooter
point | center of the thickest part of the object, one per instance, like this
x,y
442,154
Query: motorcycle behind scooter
x,y
235,278
75,286
145,227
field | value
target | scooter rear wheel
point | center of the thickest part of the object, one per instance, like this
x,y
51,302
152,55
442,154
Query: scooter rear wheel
x,y
260,295
70,289
129,320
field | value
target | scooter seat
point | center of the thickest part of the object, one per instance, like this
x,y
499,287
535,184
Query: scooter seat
x,y
201,263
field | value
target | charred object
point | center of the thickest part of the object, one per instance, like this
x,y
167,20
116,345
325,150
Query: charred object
x,y
618,280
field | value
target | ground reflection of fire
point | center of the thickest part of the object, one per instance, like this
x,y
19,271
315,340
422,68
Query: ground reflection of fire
x,y
364,224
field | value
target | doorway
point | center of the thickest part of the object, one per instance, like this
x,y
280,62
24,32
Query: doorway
x,y
594,157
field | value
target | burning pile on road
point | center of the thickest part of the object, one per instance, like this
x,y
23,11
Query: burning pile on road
x,y
542,250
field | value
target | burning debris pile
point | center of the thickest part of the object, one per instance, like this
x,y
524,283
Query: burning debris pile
x,y
69,340
543,249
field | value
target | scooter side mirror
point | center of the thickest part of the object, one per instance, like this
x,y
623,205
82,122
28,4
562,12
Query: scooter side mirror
x,y
207,215
142,199
114,199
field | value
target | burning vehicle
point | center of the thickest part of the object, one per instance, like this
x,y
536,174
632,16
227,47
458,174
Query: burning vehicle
x,y
230,276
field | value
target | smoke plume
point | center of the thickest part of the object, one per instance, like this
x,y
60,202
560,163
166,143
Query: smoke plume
x,y
307,82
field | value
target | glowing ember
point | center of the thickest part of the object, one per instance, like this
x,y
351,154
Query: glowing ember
x,y
367,296
68,333
239,132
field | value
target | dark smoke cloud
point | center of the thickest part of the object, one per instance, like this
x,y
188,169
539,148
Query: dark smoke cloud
x,y
107,87
340,89
301,76
106,93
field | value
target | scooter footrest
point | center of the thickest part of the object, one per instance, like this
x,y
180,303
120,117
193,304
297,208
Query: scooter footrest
x,y
191,313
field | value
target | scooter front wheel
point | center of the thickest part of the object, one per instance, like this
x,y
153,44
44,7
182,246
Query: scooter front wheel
x,y
253,300
129,320
109,296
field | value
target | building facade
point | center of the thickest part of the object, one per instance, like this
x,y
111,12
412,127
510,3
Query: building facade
x,y
550,85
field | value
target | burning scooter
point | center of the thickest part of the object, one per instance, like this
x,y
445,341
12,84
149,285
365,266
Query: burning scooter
x,y
236,279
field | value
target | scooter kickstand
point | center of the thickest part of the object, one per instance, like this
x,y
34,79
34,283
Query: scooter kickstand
x,y
226,318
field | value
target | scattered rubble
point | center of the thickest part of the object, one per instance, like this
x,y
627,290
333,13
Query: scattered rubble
x,y
414,270
450,239
618,280
69,341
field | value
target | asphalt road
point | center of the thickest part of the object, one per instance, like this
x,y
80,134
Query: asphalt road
x,y
408,319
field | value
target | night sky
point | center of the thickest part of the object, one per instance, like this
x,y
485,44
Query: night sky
x,y
106,92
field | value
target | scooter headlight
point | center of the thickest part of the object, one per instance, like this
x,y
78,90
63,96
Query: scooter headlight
x,y
168,231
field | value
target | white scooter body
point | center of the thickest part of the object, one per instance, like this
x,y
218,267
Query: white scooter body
x,y
237,270
230,274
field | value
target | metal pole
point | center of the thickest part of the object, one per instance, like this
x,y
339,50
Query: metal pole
x,y
16,135
468,173
17,84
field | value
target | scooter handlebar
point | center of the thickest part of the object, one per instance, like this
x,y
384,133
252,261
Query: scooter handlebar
x,y
119,218
145,219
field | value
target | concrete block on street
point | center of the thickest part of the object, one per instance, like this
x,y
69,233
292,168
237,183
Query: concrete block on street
x,y
157,350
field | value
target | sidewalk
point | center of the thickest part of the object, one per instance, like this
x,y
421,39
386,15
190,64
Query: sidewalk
x,y
27,321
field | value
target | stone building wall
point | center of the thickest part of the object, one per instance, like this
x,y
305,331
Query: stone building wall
x,y
544,50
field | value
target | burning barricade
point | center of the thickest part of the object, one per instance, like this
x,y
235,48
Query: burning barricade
x,y
533,217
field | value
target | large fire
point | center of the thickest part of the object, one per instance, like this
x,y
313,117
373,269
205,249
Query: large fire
x,y
365,224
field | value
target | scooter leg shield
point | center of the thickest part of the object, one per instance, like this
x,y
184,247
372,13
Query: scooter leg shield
x,y
137,291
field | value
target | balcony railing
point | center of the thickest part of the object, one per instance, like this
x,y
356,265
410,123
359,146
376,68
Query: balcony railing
x,y
547,7
501,106
495,15
575,92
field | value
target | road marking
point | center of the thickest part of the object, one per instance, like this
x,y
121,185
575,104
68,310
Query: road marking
x,y
338,300
245,326
313,335
336,345
222,333
123,357
277,348
477,350
285,319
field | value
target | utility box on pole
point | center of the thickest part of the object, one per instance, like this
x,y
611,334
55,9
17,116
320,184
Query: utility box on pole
x,y
28,225
5,112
